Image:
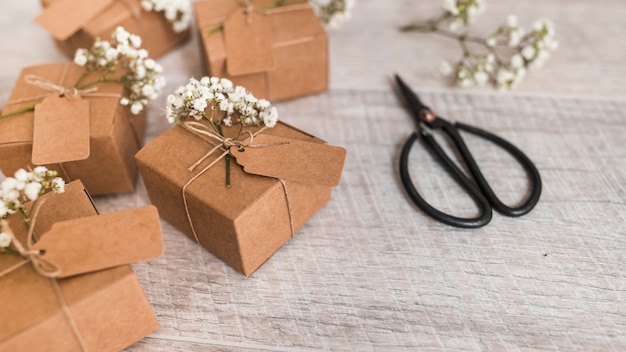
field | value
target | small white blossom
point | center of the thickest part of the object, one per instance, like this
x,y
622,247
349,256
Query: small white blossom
x,y
178,12
81,57
4,210
517,61
445,68
136,108
481,77
5,239
528,52
511,21
32,190
58,185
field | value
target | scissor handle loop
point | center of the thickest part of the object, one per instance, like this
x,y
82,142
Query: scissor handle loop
x,y
481,220
526,163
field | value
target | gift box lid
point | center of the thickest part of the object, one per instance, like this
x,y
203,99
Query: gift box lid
x,y
19,128
63,18
175,150
288,24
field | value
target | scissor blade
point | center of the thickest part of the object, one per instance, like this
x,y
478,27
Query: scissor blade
x,y
412,99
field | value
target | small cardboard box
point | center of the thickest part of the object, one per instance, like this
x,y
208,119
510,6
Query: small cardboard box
x,y
115,135
107,306
277,53
243,225
82,22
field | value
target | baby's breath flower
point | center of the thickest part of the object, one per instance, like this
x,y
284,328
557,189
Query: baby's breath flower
x,y
32,190
445,68
58,185
27,186
4,210
462,12
220,102
178,12
5,240
505,68
142,76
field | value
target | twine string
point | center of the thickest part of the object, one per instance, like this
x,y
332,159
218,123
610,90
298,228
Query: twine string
x,y
222,143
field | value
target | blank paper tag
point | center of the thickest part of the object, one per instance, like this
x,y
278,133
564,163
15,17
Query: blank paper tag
x,y
66,17
103,241
248,43
61,131
300,161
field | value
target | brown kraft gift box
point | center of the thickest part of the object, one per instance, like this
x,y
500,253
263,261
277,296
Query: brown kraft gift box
x,y
286,58
243,225
156,31
105,309
115,135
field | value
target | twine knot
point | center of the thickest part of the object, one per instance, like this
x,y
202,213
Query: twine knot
x,y
42,266
69,93
224,143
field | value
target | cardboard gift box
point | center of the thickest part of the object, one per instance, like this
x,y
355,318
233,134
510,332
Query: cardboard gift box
x,y
277,53
94,301
110,135
243,225
77,23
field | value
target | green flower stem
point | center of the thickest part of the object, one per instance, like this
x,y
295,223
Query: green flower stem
x,y
212,31
80,79
101,80
215,127
10,251
227,170
19,111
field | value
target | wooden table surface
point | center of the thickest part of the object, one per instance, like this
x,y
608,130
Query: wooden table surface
x,y
370,272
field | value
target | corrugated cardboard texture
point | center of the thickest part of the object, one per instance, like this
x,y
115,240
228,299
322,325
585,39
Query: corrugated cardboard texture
x,y
299,43
155,30
243,225
115,134
108,306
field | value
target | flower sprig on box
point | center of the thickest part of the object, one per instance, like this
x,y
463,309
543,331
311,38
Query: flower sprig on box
x,y
25,186
142,74
179,12
142,77
226,105
506,55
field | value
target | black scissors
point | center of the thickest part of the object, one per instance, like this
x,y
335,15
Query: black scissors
x,y
479,190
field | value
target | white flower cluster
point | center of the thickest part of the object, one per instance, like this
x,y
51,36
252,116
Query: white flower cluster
x,y
143,76
462,12
525,50
27,186
531,50
176,11
333,12
223,99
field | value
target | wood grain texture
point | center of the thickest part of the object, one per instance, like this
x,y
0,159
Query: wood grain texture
x,y
370,272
